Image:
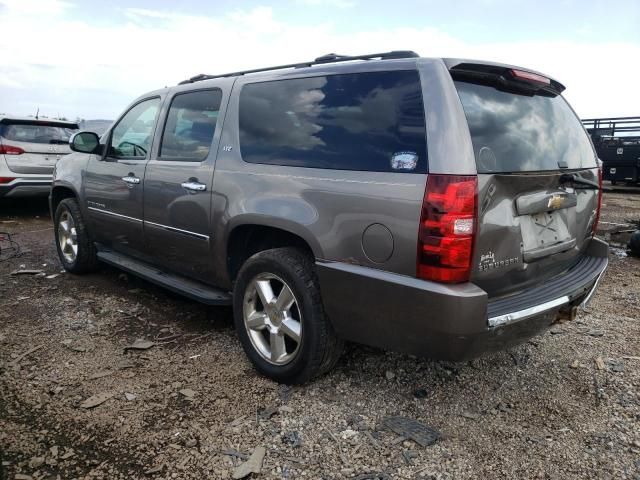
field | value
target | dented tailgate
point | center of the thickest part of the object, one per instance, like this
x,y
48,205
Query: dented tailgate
x,y
537,179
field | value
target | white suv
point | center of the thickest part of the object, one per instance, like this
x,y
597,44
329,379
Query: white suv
x,y
29,150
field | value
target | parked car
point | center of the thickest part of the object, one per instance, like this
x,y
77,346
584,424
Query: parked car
x,y
438,207
29,149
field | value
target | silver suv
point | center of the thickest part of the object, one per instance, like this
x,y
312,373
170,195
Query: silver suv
x,y
437,207
29,149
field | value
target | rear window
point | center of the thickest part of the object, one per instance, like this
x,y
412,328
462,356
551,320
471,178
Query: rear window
x,y
365,121
521,133
36,133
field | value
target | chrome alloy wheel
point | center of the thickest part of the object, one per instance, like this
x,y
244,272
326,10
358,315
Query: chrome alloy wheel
x,y
68,237
272,318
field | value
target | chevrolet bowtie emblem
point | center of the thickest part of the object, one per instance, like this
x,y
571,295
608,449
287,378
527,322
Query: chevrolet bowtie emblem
x,y
555,202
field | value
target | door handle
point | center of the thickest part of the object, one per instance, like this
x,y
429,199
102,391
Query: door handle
x,y
131,179
194,186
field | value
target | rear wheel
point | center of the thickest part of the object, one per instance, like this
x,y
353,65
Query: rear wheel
x,y
75,248
280,319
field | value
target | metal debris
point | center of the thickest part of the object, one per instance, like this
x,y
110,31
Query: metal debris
x,y
252,465
412,429
470,415
140,344
96,400
26,272
104,373
188,393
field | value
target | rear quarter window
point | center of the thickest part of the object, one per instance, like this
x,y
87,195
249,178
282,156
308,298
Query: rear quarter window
x,y
364,121
512,132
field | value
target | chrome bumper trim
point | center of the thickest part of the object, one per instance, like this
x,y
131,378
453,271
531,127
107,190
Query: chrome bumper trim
x,y
588,298
512,317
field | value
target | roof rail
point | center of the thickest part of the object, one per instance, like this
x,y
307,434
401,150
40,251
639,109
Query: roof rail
x,y
329,58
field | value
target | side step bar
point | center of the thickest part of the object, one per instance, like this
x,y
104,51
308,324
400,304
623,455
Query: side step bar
x,y
189,288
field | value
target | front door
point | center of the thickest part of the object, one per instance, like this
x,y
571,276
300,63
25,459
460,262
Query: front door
x,y
178,179
114,182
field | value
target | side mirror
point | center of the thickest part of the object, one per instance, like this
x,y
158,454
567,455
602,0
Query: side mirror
x,y
84,142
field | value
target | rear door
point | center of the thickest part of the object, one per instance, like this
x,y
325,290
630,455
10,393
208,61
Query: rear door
x,y
537,179
34,147
113,183
178,180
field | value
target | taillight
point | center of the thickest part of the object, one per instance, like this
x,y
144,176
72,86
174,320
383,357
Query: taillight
x,y
10,150
447,228
6,179
595,222
530,77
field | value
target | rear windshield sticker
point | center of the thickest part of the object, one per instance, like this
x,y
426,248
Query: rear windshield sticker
x,y
404,161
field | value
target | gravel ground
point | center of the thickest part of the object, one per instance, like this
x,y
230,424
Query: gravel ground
x,y
565,405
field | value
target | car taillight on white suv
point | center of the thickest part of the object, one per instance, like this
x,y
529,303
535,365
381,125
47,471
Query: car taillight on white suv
x,y
447,228
10,150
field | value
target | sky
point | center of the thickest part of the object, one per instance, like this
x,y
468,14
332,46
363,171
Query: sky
x,y
90,59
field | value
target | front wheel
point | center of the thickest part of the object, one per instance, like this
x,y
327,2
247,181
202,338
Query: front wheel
x,y
279,317
75,248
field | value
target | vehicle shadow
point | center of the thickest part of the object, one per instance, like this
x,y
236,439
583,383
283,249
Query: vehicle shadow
x,y
11,208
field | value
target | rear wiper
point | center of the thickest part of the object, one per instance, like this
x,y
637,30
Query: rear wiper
x,y
573,178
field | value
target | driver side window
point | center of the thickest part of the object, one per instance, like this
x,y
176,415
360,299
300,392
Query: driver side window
x,y
131,137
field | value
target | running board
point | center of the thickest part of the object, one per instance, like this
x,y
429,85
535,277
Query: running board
x,y
178,284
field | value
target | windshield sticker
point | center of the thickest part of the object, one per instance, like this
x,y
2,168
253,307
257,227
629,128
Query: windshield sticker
x,y
404,161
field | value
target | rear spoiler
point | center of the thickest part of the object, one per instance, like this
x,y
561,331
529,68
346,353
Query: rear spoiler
x,y
37,121
508,77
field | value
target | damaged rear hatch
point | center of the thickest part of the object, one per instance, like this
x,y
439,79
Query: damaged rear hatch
x,y
33,146
538,179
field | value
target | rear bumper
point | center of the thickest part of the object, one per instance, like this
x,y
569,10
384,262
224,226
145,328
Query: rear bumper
x,y
26,187
451,322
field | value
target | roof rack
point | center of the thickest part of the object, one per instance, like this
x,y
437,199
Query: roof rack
x,y
329,58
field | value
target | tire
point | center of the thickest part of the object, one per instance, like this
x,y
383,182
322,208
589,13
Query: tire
x,y
318,348
82,258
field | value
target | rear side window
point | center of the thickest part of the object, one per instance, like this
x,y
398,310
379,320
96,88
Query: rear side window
x,y
37,133
512,132
190,126
364,121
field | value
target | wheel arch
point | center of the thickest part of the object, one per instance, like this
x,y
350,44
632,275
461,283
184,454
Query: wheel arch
x,y
247,239
58,193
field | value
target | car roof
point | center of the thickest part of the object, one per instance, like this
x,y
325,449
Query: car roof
x,y
36,121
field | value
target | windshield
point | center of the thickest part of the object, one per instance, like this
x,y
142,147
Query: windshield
x,y
522,133
36,133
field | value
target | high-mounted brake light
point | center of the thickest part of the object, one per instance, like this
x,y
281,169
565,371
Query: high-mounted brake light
x,y
530,77
597,219
10,150
6,179
447,228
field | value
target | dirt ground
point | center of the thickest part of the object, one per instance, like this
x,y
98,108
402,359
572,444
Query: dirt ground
x,y
565,405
